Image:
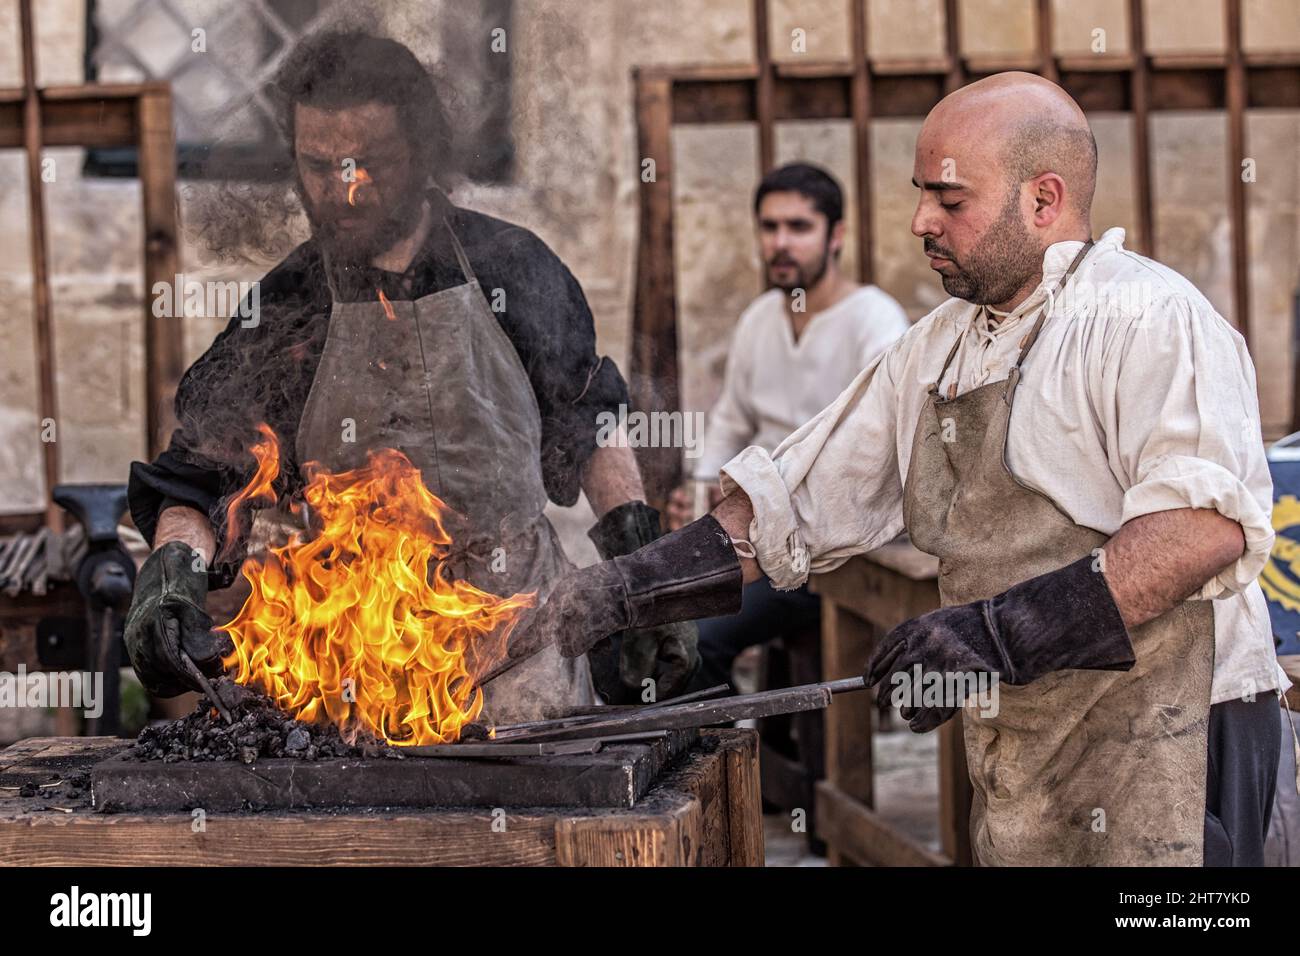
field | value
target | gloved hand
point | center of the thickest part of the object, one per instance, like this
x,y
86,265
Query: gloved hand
x,y
167,617
1057,621
693,572
666,653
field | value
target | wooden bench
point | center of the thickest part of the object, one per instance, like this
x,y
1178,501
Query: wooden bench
x,y
704,811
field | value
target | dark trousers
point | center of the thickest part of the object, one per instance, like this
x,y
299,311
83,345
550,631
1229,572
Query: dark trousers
x,y
1241,778
765,615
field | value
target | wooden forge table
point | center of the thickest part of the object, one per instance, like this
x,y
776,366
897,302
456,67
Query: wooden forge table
x,y
864,597
703,809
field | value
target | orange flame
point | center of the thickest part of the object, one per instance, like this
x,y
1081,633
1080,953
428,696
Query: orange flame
x,y
361,177
358,626
388,306
267,454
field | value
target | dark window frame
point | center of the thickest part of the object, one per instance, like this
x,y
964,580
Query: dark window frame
x,y
270,162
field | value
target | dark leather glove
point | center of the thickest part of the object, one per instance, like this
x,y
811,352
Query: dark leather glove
x,y
1057,621
666,653
167,617
693,572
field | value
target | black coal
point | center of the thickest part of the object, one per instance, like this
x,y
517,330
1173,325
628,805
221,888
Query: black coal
x,y
260,729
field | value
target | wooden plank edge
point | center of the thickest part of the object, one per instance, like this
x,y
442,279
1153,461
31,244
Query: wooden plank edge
x,y
863,835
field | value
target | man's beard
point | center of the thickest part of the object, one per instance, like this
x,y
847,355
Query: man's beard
x,y
1001,262
805,279
349,249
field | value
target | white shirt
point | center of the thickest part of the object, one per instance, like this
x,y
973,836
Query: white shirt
x,y
1138,397
774,384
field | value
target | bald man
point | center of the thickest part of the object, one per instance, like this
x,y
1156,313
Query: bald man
x,y
1075,435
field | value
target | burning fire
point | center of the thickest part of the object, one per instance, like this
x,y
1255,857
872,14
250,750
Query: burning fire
x,y
361,177
388,306
357,625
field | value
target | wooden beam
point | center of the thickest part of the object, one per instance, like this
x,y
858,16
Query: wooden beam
x,y
1139,102
955,793
90,116
47,399
860,104
765,94
1186,88
744,799
1273,87
164,337
861,833
711,101
1235,77
956,76
846,646
1047,66
652,363
811,98
1097,91
912,88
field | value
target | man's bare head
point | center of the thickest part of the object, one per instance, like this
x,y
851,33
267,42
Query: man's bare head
x,y
1006,167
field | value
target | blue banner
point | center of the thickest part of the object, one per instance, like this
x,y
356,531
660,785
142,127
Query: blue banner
x,y
1280,578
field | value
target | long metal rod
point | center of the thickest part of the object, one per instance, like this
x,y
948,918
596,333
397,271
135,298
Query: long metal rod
x,y
715,691
42,316
703,713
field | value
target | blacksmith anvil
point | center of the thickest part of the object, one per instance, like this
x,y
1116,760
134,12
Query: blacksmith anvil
x,y
105,576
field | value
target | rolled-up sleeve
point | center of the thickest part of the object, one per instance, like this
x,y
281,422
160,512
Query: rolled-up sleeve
x,y
832,489
1184,429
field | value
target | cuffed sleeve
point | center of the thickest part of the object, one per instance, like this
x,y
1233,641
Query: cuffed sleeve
x,y
1182,482
1188,433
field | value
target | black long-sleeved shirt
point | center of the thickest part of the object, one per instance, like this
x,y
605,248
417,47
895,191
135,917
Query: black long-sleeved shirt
x,y
264,372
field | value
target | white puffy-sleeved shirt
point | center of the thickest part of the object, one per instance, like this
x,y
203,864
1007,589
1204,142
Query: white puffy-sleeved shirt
x,y
773,383
1137,397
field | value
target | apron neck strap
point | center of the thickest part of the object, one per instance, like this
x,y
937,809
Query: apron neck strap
x,y
461,259
1032,337
952,353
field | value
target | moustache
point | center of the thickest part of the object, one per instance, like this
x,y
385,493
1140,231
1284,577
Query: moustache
x,y
934,249
782,261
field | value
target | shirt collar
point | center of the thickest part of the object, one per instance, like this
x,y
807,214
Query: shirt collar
x,y
1056,261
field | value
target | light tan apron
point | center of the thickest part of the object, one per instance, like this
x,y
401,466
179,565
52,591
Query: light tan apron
x,y
1080,767
442,383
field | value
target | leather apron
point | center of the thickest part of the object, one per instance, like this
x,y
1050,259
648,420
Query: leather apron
x,y
1080,767
442,383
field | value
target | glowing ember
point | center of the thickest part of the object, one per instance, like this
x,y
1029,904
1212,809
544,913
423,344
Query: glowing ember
x,y
358,626
361,177
388,306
